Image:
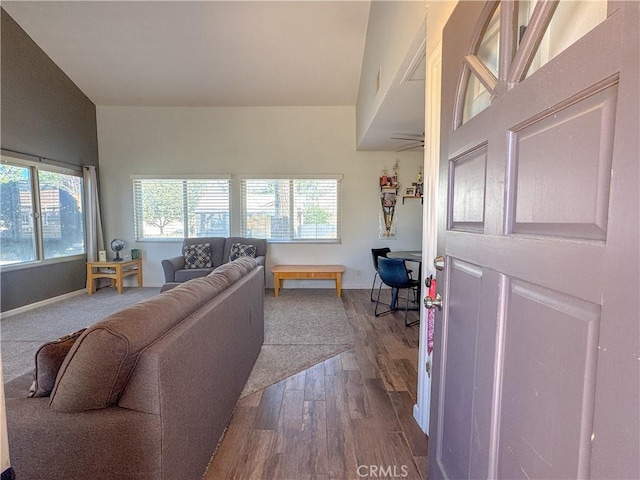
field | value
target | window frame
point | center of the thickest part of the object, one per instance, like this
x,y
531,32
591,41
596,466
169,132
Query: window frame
x,y
291,178
34,173
184,178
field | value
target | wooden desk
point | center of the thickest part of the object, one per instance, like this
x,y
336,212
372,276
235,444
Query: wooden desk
x,y
307,272
116,271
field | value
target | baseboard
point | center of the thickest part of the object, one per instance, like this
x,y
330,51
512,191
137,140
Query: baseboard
x,y
41,303
318,284
419,417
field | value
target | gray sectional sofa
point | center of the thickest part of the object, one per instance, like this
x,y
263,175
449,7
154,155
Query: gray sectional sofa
x,y
174,268
146,392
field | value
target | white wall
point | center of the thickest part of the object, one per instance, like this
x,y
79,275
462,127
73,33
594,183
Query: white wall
x,y
246,140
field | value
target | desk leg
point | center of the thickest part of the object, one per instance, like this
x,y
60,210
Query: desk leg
x,y
276,284
140,273
90,281
339,284
119,279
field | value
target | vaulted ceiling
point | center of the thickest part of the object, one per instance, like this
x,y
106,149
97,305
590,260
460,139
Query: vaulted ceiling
x,y
209,53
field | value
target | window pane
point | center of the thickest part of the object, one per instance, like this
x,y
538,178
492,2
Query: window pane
x,y
17,232
164,206
61,214
489,50
570,22
266,209
477,97
291,209
316,208
158,209
208,208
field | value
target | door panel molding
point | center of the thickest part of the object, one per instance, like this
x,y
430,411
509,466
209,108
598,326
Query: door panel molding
x,y
456,403
548,385
546,165
467,190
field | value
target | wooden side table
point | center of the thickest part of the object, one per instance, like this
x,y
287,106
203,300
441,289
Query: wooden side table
x,y
116,271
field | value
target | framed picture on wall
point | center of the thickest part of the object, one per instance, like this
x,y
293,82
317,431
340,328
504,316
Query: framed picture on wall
x,y
410,191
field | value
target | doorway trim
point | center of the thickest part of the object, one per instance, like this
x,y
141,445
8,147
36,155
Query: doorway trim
x,y
429,223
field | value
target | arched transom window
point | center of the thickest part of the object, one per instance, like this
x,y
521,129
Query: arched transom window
x,y
512,40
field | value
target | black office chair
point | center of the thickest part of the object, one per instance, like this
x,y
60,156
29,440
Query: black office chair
x,y
393,273
375,254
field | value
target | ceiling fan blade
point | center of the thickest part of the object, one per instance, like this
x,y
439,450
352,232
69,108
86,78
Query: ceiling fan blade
x,y
407,139
411,147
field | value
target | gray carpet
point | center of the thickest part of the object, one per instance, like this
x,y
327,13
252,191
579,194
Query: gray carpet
x,y
22,334
302,327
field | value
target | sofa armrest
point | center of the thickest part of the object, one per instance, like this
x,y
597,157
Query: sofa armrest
x,y
170,265
260,259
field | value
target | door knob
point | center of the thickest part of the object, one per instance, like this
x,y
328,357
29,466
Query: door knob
x,y
433,302
438,263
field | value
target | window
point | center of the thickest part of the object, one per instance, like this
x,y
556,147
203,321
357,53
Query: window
x,y
41,213
570,22
477,97
292,210
169,208
545,29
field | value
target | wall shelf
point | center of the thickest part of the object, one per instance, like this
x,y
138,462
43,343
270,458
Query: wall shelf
x,y
411,196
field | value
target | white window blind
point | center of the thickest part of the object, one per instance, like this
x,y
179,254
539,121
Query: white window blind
x,y
166,208
292,209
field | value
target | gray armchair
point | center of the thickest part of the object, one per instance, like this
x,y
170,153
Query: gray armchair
x,y
173,267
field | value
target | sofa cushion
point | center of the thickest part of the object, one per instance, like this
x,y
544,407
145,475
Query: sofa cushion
x,y
217,247
260,244
241,250
49,358
246,263
197,256
218,282
100,362
190,274
233,271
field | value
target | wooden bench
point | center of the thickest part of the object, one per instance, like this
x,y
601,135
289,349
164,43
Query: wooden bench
x,y
307,272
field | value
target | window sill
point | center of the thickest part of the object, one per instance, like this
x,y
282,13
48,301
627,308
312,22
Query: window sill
x,y
41,263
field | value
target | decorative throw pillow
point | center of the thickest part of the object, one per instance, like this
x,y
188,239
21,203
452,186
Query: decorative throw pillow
x,y
239,250
49,358
197,256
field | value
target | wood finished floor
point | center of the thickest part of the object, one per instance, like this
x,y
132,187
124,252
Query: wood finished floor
x,y
354,409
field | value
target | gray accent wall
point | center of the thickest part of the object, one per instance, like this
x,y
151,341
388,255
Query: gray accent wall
x,y
43,114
